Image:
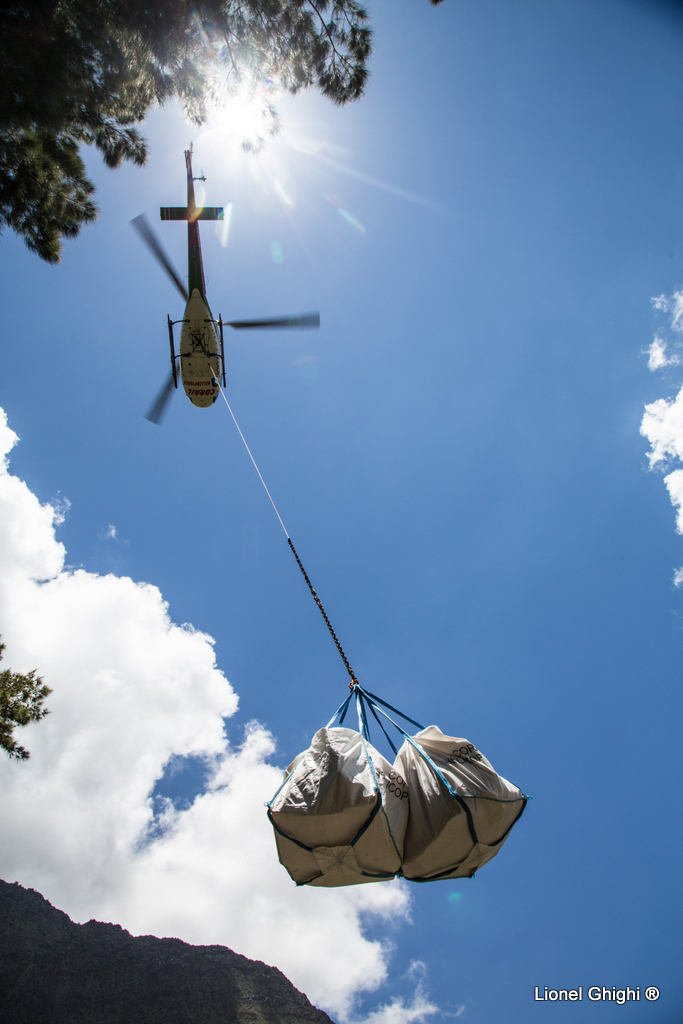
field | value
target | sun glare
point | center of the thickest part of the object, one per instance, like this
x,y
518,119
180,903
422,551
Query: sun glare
x,y
246,120
223,226
236,142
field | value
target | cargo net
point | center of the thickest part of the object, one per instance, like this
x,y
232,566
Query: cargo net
x,y
344,815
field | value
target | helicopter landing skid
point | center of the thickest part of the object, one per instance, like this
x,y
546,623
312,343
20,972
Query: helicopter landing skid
x,y
172,344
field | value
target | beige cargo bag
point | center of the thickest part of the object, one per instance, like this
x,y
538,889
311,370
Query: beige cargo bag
x,y
340,815
461,810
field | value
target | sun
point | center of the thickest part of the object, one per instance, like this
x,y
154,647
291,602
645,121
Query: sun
x,y
235,138
245,120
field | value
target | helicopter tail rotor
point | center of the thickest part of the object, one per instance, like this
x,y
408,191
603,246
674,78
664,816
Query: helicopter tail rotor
x,y
141,225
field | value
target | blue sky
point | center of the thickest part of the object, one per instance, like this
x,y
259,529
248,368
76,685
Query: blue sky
x,y
457,456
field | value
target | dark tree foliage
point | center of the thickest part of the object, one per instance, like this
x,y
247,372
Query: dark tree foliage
x,y
21,699
76,72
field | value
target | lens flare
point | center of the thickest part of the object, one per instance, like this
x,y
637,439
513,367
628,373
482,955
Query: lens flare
x,y
223,226
307,367
385,186
276,252
344,214
281,194
302,144
353,221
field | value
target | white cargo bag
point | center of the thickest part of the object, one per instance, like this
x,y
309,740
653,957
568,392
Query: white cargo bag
x,y
461,810
340,816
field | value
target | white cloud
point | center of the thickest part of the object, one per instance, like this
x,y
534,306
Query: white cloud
x,y
110,532
60,507
662,422
131,691
671,304
414,1011
658,353
398,1011
674,485
662,425
658,358
8,439
675,307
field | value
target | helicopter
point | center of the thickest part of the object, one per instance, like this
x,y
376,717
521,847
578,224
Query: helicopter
x,y
201,358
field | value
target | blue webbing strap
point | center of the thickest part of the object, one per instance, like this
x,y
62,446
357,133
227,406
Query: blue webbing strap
x,y
343,708
422,752
386,734
365,733
363,829
363,727
456,796
427,758
384,704
372,699
340,710
288,775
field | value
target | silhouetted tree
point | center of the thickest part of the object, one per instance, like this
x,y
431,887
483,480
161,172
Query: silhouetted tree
x,y
21,698
76,72
85,71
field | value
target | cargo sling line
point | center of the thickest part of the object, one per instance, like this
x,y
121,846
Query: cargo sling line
x,y
354,681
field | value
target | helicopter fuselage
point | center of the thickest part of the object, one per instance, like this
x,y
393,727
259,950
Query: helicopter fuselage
x,y
200,362
200,353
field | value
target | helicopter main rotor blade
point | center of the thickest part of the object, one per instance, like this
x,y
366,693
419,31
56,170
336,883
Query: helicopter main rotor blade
x,y
141,225
157,409
302,320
